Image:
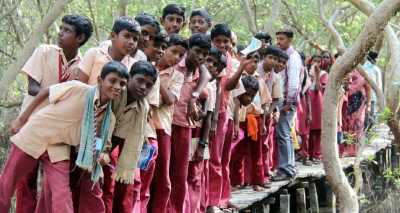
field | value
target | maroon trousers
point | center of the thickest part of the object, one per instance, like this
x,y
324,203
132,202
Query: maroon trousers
x,y
18,166
180,144
161,184
253,150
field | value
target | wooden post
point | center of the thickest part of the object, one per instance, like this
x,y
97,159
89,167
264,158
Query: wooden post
x,y
330,200
313,198
284,203
301,200
266,204
389,157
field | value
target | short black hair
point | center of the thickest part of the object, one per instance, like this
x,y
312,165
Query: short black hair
x,y
126,23
221,29
145,68
173,9
160,38
114,67
200,40
270,50
283,55
202,13
288,32
217,54
250,82
240,47
147,19
174,39
263,36
82,26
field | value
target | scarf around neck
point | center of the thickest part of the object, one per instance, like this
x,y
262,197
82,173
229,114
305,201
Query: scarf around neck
x,y
88,155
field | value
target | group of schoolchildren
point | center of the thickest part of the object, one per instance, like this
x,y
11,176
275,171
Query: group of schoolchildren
x,y
149,121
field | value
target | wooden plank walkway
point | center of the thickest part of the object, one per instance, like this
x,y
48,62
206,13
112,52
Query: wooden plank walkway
x,y
244,198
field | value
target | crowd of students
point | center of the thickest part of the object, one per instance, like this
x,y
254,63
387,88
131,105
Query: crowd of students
x,y
151,121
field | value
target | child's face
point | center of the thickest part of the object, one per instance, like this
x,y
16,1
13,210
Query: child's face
x,y
154,51
172,55
247,97
252,67
111,86
269,62
281,65
147,34
67,36
198,24
316,60
173,23
213,65
139,85
197,55
223,43
125,42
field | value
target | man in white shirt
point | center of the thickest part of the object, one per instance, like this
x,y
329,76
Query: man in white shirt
x,y
291,82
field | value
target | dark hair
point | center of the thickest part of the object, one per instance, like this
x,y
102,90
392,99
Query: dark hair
x,y
217,54
270,50
199,40
161,37
175,39
250,82
240,47
81,24
202,13
263,36
147,19
145,68
221,29
173,9
303,57
283,55
126,23
114,67
372,56
288,32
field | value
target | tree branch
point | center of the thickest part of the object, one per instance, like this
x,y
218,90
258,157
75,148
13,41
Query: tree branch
x,y
275,10
249,16
9,11
345,64
13,69
330,26
123,7
93,17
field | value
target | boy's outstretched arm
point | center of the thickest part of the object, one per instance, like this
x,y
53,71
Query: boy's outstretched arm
x,y
18,123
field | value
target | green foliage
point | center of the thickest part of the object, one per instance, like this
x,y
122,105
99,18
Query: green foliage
x,y
393,175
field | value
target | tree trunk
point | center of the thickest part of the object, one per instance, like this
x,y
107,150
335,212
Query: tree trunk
x,y
12,71
275,10
123,7
249,16
392,75
347,198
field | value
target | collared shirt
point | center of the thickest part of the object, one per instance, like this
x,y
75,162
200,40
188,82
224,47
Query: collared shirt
x,y
48,66
273,82
130,123
58,123
162,115
292,76
180,116
263,96
94,60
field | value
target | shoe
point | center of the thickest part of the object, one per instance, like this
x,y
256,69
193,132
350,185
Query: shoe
x,y
281,176
214,209
316,161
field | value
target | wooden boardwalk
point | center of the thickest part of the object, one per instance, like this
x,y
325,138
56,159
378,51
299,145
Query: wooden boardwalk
x,y
246,197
